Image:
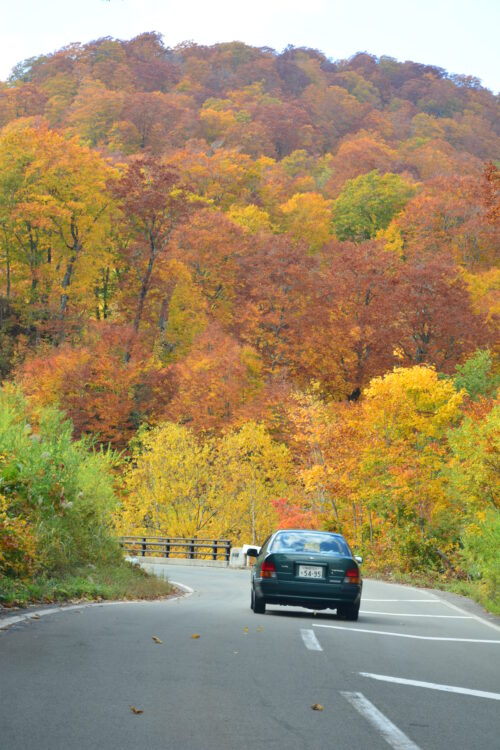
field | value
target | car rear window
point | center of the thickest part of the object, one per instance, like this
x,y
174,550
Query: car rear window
x,y
311,542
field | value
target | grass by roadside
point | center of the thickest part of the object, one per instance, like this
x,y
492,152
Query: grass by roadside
x,y
122,581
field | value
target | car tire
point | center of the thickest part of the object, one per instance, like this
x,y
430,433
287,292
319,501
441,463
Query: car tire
x,y
257,603
349,611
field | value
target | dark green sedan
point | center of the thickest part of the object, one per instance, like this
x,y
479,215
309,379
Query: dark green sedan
x,y
313,569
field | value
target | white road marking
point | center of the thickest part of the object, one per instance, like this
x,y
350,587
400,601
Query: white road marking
x,y
428,601
474,617
433,686
404,635
6,622
389,731
187,589
310,640
409,614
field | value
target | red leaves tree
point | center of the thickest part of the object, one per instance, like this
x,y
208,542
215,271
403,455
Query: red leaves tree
x,y
435,322
275,280
491,192
348,331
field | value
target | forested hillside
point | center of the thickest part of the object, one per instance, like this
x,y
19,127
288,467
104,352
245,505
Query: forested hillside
x,y
275,274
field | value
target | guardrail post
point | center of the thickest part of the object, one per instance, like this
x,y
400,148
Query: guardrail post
x,y
228,551
167,548
191,549
214,550
144,546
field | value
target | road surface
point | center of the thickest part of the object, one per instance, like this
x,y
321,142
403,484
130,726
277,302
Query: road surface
x,y
413,673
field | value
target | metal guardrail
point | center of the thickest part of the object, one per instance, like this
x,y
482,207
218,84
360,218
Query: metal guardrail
x,y
190,548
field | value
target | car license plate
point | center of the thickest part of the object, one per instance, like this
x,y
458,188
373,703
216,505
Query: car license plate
x,y
310,571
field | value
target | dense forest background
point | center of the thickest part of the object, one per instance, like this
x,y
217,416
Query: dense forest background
x,y
271,280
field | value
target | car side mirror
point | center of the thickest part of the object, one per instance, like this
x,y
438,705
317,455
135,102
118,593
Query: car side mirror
x,y
358,559
252,551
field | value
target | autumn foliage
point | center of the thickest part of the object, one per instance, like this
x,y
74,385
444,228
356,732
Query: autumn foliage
x,y
271,279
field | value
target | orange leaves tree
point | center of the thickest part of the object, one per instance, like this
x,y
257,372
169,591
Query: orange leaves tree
x,y
102,392
153,203
220,382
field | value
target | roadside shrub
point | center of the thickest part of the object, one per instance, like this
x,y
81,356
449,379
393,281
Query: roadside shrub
x,y
480,555
58,495
17,544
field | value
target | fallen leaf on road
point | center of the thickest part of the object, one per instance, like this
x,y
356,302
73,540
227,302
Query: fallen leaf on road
x,y
317,707
36,616
194,636
260,629
156,639
245,630
136,710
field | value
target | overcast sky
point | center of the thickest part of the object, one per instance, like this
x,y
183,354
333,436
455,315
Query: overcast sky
x,y
458,35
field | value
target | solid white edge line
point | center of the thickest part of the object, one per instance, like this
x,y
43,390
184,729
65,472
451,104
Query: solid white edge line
x,y
433,686
389,731
474,617
7,622
410,614
405,635
310,640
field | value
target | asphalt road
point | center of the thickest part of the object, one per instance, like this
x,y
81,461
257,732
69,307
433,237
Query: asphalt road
x,y
67,680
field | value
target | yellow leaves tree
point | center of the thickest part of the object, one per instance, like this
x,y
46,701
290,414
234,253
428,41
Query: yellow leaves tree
x,y
168,488
251,470
308,216
186,317
181,485
56,215
252,218
93,112
325,441
405,417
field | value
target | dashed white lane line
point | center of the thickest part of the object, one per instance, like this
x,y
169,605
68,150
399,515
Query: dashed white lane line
x,y
410,614
310,640
389,731
405,635
433,686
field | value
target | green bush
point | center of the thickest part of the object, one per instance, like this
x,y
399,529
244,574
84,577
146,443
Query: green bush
x,y
59,490
481,559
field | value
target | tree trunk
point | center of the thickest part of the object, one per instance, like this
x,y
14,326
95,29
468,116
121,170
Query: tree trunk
x,y
144,291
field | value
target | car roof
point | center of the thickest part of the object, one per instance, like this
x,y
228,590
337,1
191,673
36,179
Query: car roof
x,y
307,531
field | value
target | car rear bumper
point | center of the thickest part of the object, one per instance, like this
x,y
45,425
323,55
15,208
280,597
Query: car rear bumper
x,y
313,595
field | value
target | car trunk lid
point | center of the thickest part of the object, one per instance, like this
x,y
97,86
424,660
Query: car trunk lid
x,y
305,567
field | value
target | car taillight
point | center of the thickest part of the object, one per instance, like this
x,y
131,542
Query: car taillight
x,y
352,576
268,570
